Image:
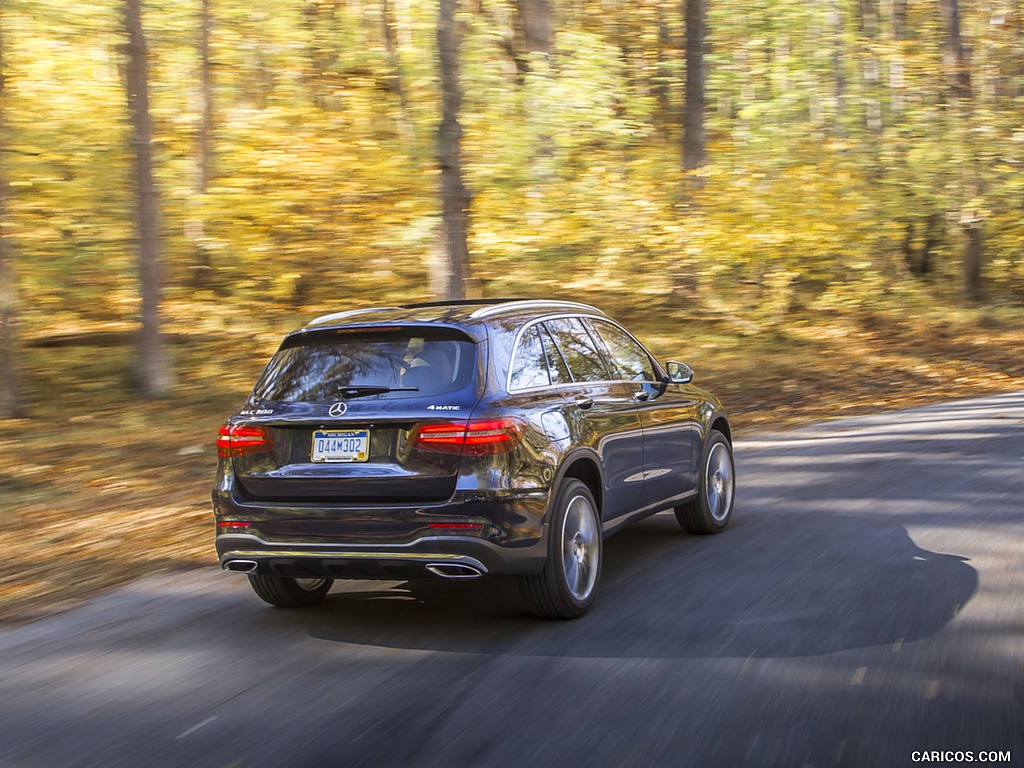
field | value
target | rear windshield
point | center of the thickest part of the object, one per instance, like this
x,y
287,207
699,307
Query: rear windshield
x,y
386,365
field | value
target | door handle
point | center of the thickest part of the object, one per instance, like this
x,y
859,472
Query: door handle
x,y
584,402
641,397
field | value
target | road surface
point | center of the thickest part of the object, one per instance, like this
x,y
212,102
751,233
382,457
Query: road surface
x,y
866,605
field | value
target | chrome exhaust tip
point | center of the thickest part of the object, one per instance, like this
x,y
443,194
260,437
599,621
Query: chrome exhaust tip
x,y
454,571
241,566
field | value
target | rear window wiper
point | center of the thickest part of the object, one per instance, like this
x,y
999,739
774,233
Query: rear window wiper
x,y
362,390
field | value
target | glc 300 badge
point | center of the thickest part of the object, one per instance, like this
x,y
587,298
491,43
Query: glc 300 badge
x,y
338,409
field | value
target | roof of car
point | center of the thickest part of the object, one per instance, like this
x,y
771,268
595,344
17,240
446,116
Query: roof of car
x,y
463,312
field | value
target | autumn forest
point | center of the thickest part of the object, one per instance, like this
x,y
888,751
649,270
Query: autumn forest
x,y
817,203
746,159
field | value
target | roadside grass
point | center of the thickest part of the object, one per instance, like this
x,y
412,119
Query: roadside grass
x,y
99,487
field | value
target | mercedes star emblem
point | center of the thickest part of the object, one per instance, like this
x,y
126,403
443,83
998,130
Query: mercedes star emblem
x,y
338,409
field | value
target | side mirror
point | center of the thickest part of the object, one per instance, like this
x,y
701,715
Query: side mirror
x,y
679,373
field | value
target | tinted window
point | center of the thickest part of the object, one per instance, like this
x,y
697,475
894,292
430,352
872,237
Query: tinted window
x,y
578,349
556,365
529,366
631,361
316,367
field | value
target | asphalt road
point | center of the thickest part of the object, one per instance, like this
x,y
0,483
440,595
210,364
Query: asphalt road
x,y
866,604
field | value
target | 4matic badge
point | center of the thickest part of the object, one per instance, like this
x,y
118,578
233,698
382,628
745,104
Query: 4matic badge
x,y
444,407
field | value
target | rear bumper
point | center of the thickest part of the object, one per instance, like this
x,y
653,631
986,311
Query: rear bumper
x,y
475,532
448,556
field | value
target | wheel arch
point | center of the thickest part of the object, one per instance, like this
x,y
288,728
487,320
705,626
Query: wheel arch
x,y
586,468
720,423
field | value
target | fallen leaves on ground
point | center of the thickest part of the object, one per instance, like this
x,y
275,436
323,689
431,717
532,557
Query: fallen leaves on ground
x,y
100,487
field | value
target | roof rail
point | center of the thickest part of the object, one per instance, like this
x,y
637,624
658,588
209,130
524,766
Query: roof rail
x,y
348,313
487,308
457,303
531,303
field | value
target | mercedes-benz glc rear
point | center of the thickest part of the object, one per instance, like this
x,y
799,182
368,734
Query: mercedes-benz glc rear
x,y
361,454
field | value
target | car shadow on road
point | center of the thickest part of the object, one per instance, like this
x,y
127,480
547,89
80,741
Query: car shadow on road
x,y
779,585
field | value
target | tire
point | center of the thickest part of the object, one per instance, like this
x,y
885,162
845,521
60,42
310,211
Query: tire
x,y
289,593
566,587
711,509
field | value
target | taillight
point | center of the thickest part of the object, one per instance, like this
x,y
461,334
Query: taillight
x,y
242,440
481,437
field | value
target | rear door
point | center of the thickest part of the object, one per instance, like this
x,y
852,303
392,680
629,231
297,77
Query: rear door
x,y
602,414
342,408
668,415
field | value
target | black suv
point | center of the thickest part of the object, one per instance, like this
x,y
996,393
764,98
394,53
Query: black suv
x,y
462,439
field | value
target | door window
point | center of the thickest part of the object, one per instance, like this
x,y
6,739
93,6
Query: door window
x,y
631,361
578,349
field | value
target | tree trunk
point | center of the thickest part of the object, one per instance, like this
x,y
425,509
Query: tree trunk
x,y
454,195
406,127
533,29
897,78
10,395
933,233
666,119
867,19
956,53
962,109
206,99
202,266
153,368
534,17
694,152
835,18
920,264
321,54
974,252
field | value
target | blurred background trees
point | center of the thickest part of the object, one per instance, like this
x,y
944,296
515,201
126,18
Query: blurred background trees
x,y
10,391
153,367
843,153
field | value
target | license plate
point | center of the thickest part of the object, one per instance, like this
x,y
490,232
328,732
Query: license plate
x,y
341,445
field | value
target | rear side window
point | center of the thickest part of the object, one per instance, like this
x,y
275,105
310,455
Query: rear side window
x,y
578,349
404,363
537,361
632,363
556,365
529,366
